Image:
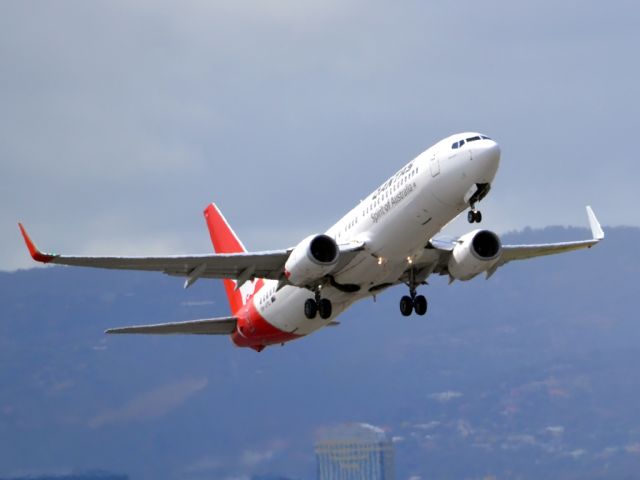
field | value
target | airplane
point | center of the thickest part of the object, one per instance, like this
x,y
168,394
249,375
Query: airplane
x,y
387,239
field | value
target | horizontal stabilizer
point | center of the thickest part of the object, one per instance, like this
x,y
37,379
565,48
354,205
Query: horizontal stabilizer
x,y
207,326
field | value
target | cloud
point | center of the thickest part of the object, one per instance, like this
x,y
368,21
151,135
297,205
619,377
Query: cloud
x,y
204,464
464,428
427,426
121,121
444,397
251,458
197,303
152,404
521,439
633,448
256,456
577,453
212,465
556,430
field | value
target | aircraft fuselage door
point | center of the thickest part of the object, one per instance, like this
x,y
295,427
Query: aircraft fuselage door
x,y
434,165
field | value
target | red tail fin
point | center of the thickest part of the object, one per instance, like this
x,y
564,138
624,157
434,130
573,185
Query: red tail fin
x,y
224,241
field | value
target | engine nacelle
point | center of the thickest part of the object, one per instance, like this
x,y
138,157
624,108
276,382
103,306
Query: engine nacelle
x,y
475,252
313,258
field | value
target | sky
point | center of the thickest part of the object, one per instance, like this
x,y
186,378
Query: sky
x,y
121,121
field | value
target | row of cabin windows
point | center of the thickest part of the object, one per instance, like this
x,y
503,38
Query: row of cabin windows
x,y
351,224
269,297
382,197
460,143
390,191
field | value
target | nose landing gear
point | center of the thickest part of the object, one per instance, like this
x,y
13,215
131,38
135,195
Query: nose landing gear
x,y
474,216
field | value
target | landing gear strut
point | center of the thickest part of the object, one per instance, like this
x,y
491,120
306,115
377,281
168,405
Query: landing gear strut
x,y
313,306
482,189
413,302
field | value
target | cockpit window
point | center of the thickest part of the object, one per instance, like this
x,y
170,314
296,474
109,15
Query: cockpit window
x,y
460,143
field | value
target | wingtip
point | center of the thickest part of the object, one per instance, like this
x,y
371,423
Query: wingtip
x,y
594,224
36,254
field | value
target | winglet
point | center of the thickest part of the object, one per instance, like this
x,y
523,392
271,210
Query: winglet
x,y
36,254
596,229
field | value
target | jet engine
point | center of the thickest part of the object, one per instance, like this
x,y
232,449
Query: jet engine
x,y
311,259
475,252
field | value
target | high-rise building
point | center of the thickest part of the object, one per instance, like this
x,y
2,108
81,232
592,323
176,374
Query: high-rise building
x,y
356,451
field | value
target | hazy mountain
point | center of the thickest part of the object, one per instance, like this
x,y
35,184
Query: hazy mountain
x,y
95,475
530,374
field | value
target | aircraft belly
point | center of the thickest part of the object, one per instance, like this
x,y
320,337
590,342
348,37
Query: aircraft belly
x,y
401,234
286,313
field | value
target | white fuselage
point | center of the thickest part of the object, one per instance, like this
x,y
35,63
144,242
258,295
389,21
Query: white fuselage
x,y
395,223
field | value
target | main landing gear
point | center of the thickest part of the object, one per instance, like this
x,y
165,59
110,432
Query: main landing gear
x,y
413,302
317,305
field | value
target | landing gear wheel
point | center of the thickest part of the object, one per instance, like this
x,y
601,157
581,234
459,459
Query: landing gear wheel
x,y
420,305
474,216
406,306
310,308
324,308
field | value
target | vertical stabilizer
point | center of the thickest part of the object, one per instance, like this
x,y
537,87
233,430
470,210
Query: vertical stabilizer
x,y
225,241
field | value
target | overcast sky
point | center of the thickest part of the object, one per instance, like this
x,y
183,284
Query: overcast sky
x,y
120,121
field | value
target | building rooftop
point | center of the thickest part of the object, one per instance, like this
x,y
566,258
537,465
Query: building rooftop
x,y
359,432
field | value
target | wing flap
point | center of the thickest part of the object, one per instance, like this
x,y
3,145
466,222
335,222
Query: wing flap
x,y
207,326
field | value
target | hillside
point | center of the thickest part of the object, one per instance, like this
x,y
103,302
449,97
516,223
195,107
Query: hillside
x,y
530,374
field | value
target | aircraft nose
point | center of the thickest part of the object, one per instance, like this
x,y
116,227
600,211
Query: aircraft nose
x,y
487,157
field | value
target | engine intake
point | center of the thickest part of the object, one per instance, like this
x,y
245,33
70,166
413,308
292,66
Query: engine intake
x,y
323,249
486,244
476,252
313,258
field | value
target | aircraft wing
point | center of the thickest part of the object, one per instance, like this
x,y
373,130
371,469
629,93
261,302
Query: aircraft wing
x,y
436,256
522,252
207,326
267,264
